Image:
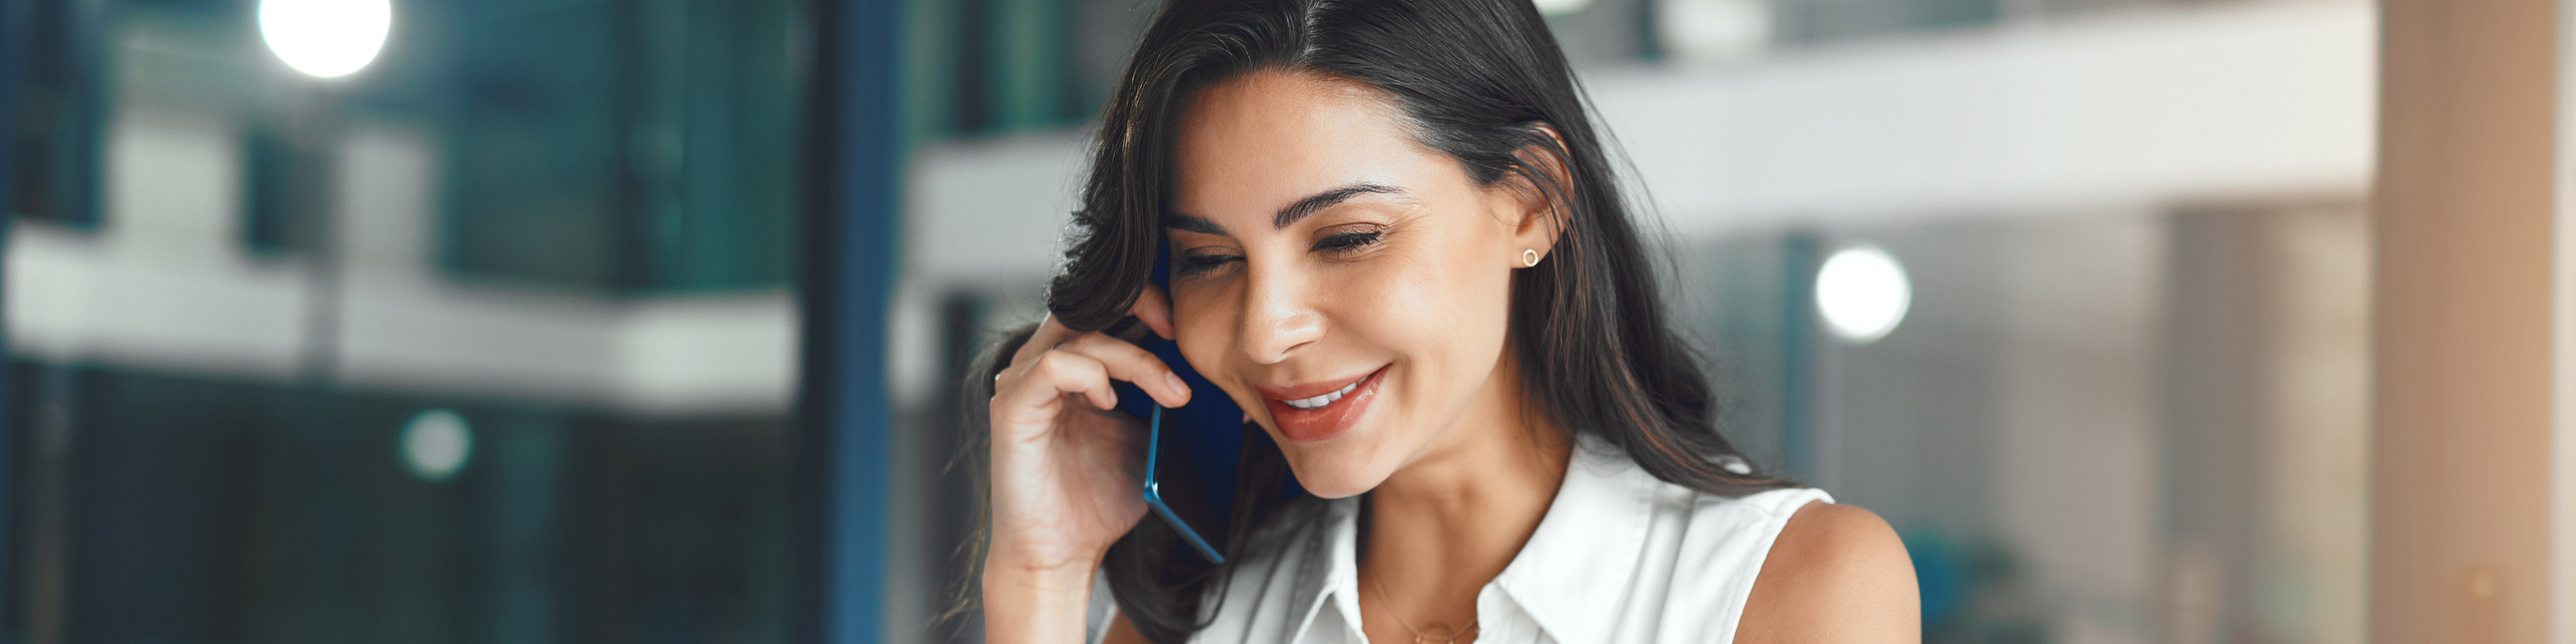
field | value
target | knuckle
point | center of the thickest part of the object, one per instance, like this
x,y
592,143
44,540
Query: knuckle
x,y
1081,341
1058,365
1095,346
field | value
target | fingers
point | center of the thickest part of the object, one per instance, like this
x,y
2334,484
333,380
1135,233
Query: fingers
x,y
1154,309
1050,332
1046,379
1133,364
1085,365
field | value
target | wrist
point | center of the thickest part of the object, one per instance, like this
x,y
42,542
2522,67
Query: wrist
x,y
1024,603
1046,574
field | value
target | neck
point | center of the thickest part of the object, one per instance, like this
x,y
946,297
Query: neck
x,y
1443,526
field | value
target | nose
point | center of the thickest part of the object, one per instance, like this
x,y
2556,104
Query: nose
x,y
1277,319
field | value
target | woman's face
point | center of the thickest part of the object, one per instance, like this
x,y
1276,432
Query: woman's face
x,y
1344,284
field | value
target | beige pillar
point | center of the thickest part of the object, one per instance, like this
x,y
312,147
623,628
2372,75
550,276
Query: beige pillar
x,y
2461,510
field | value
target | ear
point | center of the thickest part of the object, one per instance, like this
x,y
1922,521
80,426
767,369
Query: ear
x,y
1534,199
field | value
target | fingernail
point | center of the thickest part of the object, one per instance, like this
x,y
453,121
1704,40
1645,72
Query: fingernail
x,y
1174,380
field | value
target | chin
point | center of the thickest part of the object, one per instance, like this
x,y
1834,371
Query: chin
x,y
1333,473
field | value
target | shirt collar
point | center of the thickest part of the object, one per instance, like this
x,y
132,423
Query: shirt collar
x,y
1337,587
1571,576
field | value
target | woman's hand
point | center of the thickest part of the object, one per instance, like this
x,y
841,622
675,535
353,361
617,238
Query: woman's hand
x,y
1067,478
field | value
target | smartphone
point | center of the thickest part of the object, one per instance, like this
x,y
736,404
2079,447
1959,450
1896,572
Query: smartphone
x,y
1194,449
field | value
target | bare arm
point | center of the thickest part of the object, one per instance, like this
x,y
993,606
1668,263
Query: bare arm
x,y
1837,575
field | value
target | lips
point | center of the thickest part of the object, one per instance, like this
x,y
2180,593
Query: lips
x,y
1329,408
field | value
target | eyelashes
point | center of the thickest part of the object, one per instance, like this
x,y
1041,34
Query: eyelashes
x,y
1193,264
1340,244
1346,242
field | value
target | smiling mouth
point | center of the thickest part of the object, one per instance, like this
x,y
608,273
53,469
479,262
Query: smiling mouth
x,y
1319,402
1324,415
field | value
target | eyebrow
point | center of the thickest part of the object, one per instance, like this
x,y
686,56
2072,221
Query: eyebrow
x,y
1289,215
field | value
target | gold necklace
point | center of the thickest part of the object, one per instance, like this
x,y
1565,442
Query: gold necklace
x,y
1439,631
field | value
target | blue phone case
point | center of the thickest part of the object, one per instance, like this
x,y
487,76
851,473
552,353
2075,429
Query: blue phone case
x,y
1208,432
1206,435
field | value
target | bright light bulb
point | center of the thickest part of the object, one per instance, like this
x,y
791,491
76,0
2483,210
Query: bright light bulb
x,y
435,444
1862,293
326,38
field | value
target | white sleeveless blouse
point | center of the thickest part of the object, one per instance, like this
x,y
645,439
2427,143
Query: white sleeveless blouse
x,y
1620,558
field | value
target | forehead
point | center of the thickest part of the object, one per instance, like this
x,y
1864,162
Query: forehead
x,y
1261,140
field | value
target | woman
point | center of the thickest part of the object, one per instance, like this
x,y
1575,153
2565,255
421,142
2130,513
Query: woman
x,y
1394,240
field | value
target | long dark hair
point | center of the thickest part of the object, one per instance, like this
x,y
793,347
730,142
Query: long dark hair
x,y
1481,81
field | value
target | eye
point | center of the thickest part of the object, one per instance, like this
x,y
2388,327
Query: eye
x,y
1200,263
1346,242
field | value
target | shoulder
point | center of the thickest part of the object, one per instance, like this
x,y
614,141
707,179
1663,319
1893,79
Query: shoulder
x,y
1783,565
1835,573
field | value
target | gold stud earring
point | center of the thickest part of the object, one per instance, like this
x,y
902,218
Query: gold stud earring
x,y
1529,257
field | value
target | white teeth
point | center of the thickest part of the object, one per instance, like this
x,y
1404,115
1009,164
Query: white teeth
x,y
1319,402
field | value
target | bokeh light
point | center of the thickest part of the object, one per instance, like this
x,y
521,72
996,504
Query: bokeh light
x,y
436,443
1862,293
326,38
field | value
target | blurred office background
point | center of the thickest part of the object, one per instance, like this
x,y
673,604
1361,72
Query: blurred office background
x,y
498,334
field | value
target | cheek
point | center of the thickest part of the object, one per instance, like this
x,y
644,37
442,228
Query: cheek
x,y
1442,309
1203,323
